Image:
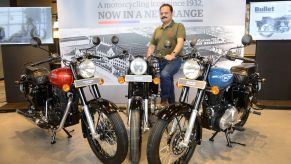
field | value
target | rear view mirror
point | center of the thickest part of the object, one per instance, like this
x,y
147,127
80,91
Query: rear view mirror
x,y
35,42
96,40
246,39
114,40
193,42
167,44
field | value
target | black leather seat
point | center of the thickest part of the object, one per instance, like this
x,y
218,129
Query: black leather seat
x,y
244,69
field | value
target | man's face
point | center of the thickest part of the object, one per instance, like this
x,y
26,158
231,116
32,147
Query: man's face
x,y
166,15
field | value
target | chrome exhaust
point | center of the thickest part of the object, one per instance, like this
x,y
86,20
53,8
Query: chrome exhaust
x,y
34,120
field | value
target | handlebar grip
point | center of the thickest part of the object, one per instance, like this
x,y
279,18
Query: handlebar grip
x,y
241,58
249,59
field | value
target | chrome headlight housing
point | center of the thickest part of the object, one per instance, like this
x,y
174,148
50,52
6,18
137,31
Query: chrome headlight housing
x,y
138,66
87,69
192,69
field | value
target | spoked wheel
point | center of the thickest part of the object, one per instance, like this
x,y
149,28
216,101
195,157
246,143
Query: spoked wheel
x,y
111,146
164,141
135,136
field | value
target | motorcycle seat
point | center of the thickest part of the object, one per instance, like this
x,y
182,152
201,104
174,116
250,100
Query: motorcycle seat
x,y
244,69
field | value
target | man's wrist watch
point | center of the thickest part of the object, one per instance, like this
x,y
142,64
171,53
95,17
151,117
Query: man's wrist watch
x,y
173,53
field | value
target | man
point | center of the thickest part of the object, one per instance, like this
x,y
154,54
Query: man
x,y
175,33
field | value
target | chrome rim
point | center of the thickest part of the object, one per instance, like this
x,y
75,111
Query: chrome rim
x,y
170,150
108,139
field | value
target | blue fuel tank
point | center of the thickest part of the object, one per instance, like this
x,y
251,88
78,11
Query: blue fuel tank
x,y
220,77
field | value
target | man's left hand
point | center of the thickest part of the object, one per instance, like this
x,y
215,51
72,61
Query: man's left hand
x,y
170,57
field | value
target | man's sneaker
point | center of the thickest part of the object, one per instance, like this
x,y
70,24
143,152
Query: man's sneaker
x,y
164,103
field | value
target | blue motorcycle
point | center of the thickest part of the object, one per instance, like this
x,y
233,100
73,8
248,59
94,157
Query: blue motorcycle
x,y
223,103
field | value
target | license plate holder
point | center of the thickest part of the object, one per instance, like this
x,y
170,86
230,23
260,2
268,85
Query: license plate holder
x,y
138,78
192,83
86,82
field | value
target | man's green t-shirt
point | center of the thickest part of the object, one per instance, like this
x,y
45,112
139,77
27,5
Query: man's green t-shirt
x,y
171,33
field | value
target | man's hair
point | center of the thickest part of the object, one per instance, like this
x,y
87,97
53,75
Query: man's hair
x,y
166,4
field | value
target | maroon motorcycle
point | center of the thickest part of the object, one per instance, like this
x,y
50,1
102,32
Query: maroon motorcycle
x,y
57,100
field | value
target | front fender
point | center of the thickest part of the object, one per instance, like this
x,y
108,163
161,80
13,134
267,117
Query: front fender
x,y
103,105
169,112
100,104
136,103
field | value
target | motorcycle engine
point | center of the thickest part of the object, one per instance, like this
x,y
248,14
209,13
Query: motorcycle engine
x,y
218,115
229,118
58,105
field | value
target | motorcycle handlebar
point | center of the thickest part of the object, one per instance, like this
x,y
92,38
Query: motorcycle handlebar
x,y
44,61
123,55
93,56
116,56
240,58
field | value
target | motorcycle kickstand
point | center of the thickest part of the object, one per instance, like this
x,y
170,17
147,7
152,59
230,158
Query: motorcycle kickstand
x,y
68,132
53,137
229,142
212,138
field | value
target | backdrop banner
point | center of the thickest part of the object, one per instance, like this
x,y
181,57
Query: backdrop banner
x,y
217,24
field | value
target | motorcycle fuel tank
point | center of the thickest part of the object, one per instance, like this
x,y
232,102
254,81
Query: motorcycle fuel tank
x,y
220,77
61,76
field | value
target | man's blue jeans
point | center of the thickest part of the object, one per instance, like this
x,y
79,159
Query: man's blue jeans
x,y
168,70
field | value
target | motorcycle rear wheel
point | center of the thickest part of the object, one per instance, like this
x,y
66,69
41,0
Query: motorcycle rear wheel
x,y
170,153
243,118
112,132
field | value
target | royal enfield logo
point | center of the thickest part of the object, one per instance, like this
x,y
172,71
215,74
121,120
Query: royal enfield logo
x,y
226,78
264,9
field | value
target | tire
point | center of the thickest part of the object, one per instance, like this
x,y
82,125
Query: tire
x,y
244,117
135,136
155,139
120,136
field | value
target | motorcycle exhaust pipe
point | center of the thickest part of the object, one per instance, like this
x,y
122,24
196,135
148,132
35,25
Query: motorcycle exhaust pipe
x,y
36,121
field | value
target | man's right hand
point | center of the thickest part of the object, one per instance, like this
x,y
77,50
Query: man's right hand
x,y
148,55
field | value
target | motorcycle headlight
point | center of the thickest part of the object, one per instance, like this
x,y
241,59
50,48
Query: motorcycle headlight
x,y
138,66
87,69
192,69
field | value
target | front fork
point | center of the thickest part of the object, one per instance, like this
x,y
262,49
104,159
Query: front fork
x,y
96,95
193,117
86,109
145,118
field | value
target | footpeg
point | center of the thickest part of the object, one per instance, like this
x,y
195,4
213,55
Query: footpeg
x,y
257,106
257,113
239,128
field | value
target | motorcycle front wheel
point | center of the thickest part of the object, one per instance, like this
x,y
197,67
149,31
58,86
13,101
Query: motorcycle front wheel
x,y
111,147
164,139
135,136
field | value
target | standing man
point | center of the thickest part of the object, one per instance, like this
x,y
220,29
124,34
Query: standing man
x,y
175,33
